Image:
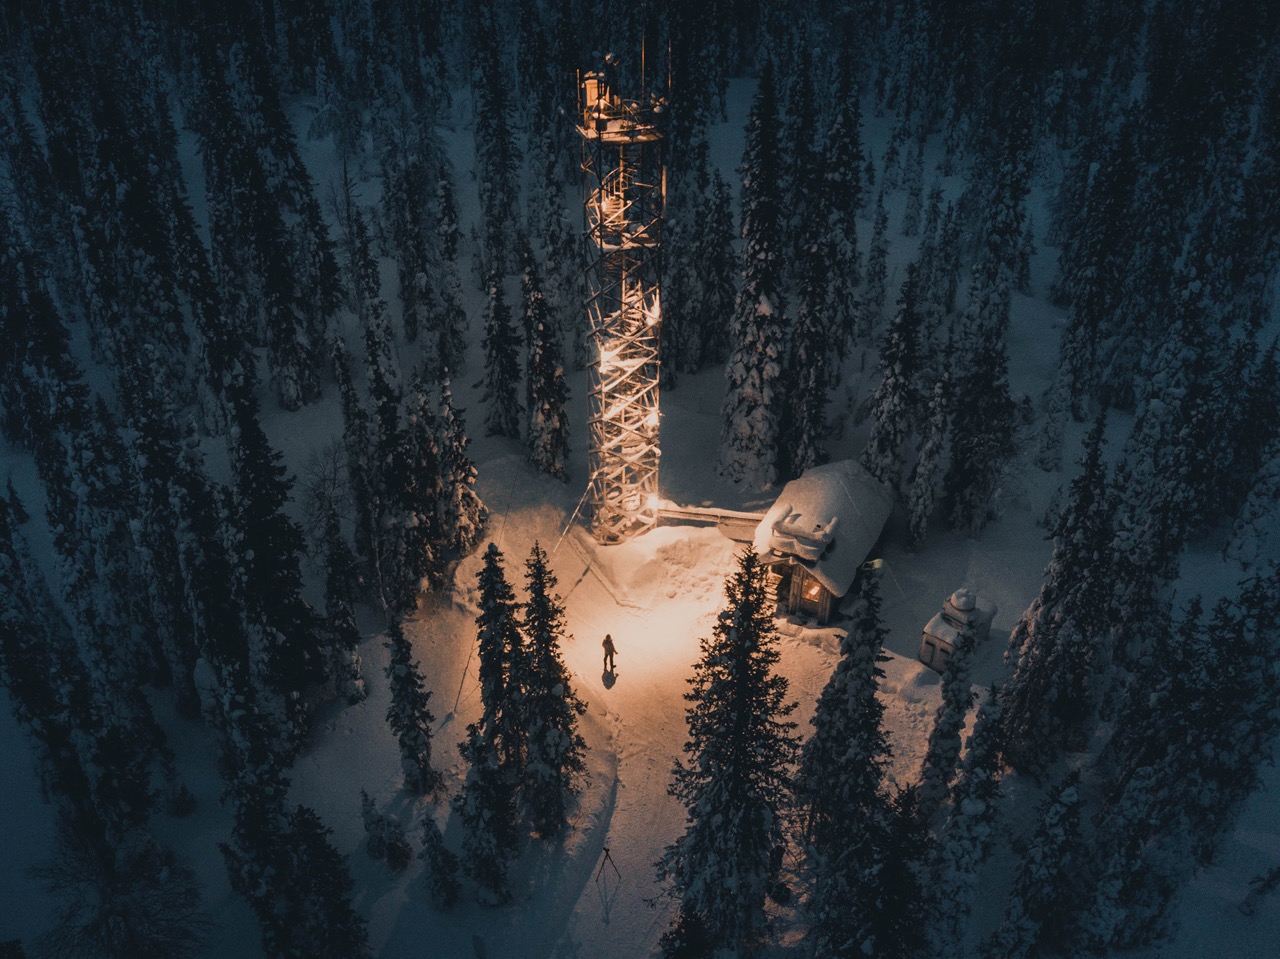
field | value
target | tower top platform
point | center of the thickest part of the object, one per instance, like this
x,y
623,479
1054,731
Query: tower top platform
x,y
606,116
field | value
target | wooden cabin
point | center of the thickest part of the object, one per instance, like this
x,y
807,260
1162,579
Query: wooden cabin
x,y
818,533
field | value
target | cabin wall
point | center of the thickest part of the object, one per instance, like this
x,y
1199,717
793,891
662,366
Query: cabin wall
x,y
820,608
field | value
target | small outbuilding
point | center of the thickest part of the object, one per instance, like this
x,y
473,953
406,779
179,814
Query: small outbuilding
x,y
963,606
817,534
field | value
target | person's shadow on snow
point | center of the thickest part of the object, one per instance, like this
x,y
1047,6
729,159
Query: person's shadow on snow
x,y
608,677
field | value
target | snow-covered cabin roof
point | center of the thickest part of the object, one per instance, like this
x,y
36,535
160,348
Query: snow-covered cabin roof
x,y
827,520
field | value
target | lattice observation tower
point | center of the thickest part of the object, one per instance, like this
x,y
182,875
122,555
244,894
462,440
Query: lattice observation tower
x,y
624,185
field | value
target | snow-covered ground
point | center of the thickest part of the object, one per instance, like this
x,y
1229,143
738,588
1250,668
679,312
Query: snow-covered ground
x,y
656,595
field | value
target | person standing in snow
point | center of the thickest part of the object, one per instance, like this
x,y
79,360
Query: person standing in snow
x,y
609,651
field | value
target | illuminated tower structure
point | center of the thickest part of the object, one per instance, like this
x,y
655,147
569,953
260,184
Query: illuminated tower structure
x,y
624,189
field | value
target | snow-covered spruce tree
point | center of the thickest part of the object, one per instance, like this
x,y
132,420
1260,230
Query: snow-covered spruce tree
x,y
384,836
895,886
556,762
486,807
877,275
1098,235
33,212
1025,253
441,865
683,285
808,364
45,681
399,852
546,185
321,920
284,285
755,395
843,762
1199,419
842,162
1254,419
566,282
735,782
1060,643
922,484
117,196
157,460
497,154
947,273
896,400
208,569
548,419
715,255
341,582
801,176
1047,887
982,411
375,840
452,320
1213,685
414,490
930,231
703,52
409,716
357,442
839,788
310,248
462,516
943,753
891,162
90,506
285,648
383,368
406,206
1255,534
1140,577
1179,463
501,666
968,835
389,473
501,366
914,186
1058,407
1123,888
281,862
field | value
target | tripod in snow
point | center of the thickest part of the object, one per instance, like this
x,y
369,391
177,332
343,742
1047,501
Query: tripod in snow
x,y
607,860
606,895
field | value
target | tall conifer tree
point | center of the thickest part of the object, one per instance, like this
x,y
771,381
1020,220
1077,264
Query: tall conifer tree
x,y
548,419
556,763
735,781
1061,672
756,397
501,366
409,715
840,784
